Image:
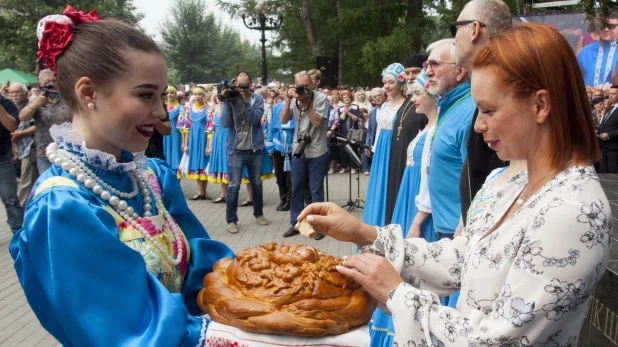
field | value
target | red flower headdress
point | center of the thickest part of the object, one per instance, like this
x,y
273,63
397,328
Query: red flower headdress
x,y
55,33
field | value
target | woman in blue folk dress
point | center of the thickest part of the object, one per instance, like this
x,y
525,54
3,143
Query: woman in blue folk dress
x,y
173,142
394,80
409,207
412,217
109,253
199,142
217,166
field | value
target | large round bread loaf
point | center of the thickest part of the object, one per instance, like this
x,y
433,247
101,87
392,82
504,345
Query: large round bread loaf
x,y
286,290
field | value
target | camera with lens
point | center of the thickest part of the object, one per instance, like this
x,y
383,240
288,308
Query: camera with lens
x,y
300,90
303,141
47,87
233,92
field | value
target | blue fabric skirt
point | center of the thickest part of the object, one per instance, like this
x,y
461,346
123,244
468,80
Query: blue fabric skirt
x,y
217,166
375,206
173,142
197,145
405,208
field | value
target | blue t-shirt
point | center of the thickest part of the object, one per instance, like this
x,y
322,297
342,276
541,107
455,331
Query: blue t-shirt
x,y
448,152
587,60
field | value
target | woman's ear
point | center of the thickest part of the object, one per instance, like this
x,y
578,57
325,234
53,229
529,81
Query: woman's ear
x,y
541,103
85,93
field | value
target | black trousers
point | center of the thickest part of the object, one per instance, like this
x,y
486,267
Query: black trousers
x,y
609,160
284,178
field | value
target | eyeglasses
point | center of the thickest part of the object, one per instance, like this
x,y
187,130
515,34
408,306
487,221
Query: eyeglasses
x,y
455,25
433,64
610,26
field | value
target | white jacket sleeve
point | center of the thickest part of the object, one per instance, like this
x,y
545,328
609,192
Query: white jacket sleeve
x,y
422,200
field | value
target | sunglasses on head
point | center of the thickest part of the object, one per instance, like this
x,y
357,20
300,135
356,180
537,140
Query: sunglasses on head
x,y
455,25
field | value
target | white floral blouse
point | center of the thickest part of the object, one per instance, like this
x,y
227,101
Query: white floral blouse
x,y
525,284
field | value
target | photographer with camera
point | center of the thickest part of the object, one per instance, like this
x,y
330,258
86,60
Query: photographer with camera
x,y
47,109
242,115
310,111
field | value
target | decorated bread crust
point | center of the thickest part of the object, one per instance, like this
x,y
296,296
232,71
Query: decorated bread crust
x,y
286,290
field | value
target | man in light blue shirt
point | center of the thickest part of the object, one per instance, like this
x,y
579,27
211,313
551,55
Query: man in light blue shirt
x,y
448,142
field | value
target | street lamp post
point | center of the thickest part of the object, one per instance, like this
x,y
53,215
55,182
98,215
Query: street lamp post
x,y
262,21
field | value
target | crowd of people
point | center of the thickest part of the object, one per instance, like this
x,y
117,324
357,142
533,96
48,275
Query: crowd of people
x,y
481,182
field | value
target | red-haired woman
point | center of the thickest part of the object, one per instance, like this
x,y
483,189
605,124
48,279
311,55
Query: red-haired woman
x,y
528,266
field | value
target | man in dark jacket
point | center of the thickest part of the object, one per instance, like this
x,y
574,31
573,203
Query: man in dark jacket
x,y
407,125
477,23
608,135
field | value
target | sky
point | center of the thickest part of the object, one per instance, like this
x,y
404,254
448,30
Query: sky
x,y
155,13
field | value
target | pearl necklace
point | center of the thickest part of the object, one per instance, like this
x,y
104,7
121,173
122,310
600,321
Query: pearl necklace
x,y
523,195
53,157
72,164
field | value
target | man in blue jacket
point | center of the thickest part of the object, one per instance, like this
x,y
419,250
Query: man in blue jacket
x,y
280,143
245,142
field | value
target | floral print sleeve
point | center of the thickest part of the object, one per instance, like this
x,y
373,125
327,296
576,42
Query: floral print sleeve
x,y
433,266
526,283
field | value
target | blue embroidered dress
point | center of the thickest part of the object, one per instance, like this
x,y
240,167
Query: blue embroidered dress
x,y
198,161
172,142
91,278
376,189
217,165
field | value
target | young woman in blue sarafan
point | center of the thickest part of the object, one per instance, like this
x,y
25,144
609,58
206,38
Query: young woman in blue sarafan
x,y
110,253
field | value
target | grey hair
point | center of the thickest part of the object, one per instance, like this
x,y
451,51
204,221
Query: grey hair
x,y
378,90
494,13
20,85
302,73
45,72
438,43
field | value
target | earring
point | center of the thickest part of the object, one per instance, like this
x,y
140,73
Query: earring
x,y
90,105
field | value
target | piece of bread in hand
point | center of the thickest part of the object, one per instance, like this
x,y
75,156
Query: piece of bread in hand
x,y
306,229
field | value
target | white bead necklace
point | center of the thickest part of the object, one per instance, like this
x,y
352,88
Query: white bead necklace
x,y
80,165
72,164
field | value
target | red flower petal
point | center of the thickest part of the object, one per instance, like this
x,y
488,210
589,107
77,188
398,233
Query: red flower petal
x,y
79,17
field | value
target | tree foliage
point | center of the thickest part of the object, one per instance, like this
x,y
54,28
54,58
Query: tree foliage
x,y
375,33
201,49
18,20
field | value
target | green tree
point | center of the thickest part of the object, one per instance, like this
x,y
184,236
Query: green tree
x,y
18,20
199,48
366,35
